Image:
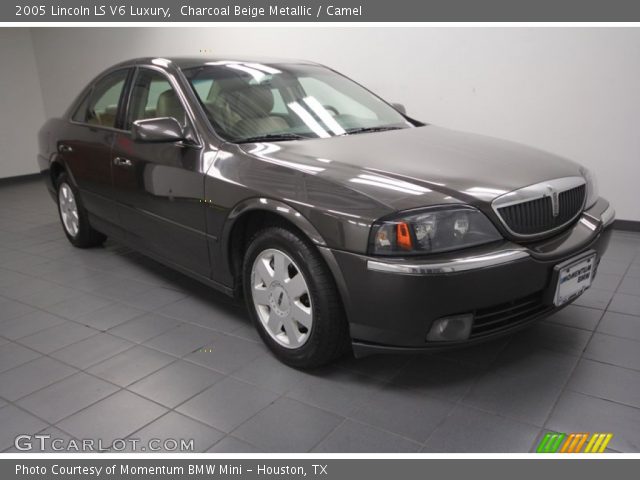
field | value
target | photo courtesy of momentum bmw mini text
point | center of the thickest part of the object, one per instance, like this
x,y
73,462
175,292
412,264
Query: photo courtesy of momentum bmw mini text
x,y
209,470
326,240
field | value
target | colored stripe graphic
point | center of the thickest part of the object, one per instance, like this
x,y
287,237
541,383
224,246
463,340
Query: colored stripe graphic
x,y
555,442
581,443
551,442
570,443
577,440
598,442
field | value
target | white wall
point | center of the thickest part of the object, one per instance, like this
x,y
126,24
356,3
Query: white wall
x,y
21,108
571,91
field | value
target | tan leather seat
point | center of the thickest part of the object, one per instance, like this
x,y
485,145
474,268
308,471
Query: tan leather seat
x,y
107,118
169,106
253,105
222,113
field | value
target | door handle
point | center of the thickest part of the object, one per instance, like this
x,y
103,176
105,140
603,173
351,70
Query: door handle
x,y
122,162
62,148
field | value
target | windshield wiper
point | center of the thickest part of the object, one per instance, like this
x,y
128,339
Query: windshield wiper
x,y
273,137
352,131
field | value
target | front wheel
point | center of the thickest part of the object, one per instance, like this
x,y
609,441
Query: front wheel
x,y
74,217
293,300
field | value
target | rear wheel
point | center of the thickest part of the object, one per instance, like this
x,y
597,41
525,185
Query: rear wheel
x,y
74,217
292,298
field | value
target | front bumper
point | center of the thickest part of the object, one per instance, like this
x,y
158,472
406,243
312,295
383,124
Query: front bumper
x,y
392,303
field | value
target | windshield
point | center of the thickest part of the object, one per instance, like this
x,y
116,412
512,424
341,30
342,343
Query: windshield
x,y
253,102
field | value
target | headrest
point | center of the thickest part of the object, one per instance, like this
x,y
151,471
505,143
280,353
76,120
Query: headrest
x,y
254,101
169,105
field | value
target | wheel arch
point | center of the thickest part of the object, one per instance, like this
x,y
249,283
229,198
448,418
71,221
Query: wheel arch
x,y
252,214
56,168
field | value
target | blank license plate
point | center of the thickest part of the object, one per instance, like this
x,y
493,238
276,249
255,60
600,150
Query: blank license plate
x,y
574,279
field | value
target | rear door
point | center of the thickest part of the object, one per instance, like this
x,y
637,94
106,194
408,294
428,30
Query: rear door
x,y
160,186
86,150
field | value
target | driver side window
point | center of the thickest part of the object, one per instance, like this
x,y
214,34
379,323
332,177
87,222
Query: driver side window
x,y
154,97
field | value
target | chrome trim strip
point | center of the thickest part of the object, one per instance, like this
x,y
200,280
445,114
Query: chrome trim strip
x,y
538,190
586,221
534,192
591,216
608,216
452,266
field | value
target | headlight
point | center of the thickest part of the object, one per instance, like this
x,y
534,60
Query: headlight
x,y
592,187
437,229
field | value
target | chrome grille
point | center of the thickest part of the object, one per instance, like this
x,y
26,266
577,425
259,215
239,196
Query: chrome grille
x,y
549,208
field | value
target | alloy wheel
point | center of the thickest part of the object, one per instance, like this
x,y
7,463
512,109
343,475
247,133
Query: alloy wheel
x,y
68,209
281,298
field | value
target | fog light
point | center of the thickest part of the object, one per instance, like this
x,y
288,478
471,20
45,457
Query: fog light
x,y
448,329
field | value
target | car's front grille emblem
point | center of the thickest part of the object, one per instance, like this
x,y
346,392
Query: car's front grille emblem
x,y
555,203
542,208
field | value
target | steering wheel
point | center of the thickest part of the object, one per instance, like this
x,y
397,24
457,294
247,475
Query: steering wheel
x,y
333,110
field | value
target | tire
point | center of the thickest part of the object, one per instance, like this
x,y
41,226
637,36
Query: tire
x,y
74,217
314,329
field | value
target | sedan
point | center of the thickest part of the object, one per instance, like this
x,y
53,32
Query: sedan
x,y
344,223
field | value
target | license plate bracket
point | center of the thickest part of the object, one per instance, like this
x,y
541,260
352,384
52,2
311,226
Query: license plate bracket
x,y
572,277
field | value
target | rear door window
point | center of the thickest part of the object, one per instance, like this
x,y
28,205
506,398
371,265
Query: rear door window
x,y
100,107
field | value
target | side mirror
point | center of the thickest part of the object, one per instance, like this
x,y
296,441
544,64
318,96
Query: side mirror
x,y
399,107
163,129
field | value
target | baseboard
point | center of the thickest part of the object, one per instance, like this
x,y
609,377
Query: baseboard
x,y
627,225
19,179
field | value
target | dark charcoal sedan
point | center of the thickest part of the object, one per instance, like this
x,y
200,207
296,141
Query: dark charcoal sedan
x,y
342,221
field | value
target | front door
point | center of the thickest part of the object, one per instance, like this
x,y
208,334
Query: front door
x,y
160,186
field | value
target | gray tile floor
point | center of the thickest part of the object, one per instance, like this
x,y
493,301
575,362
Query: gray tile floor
x,y
105,344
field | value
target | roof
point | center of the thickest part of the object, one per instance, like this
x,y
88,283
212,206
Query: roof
x,y
189,62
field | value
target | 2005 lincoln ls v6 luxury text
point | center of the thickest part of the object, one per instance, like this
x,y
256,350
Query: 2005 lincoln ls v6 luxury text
x,y
342,221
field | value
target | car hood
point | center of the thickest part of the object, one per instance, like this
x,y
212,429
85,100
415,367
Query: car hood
x,y
418,166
